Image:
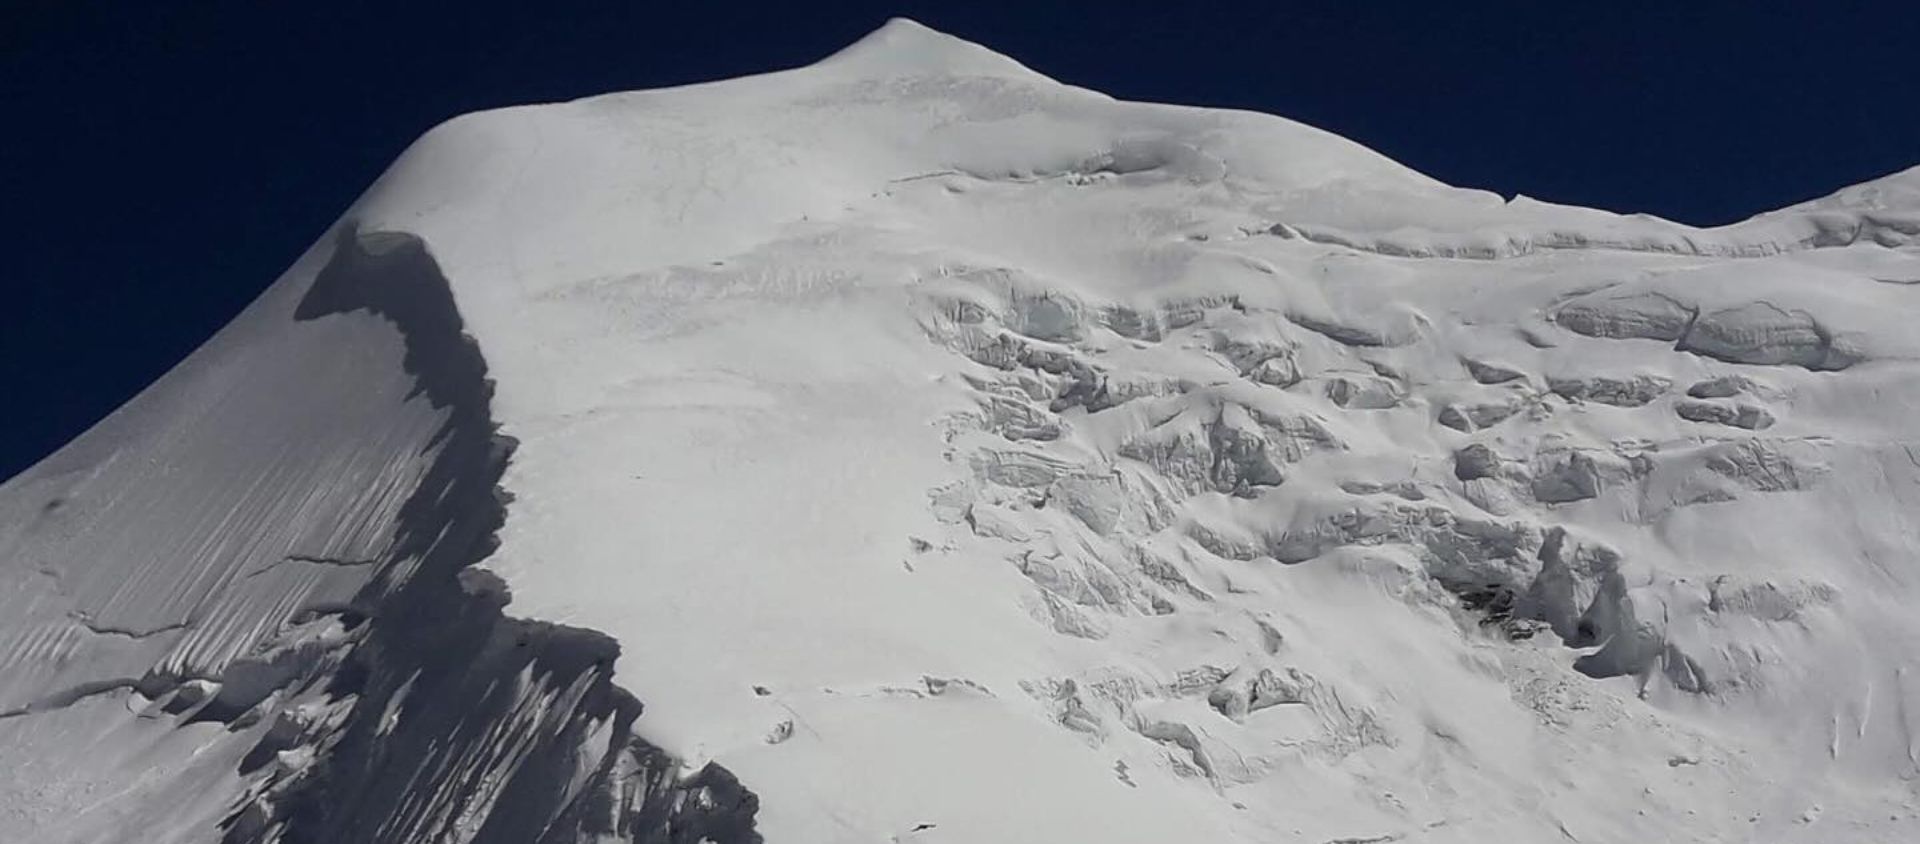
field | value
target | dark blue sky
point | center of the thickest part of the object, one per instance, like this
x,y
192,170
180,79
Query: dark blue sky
x,y
162,162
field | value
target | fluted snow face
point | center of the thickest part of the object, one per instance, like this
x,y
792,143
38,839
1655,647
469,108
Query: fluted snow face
x,y
962,456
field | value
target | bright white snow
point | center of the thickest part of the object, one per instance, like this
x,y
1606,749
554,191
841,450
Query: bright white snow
x,y
961,456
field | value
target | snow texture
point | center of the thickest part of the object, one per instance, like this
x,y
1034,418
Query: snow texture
x,y
946,454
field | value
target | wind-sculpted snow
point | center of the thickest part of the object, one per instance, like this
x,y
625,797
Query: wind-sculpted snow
x,y
403,706
960,456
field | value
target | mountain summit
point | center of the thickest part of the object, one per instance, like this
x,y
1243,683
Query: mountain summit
x,y
912,448
903,47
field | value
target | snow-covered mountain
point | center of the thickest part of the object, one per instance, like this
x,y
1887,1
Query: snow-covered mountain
x,y
913,448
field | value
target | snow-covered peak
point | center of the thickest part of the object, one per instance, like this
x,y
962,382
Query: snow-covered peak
x,y
619,182
957,456
681,176
904,47
947,396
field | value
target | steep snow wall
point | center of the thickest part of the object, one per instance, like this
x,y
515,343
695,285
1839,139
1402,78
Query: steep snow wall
x,y
270,550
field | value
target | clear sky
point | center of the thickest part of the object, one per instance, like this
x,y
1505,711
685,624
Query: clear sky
x,y
162,162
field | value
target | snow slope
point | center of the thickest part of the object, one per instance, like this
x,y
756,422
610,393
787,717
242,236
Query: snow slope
x,y
960,456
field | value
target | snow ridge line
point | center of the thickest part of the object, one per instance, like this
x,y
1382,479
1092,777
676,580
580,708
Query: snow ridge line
x,y
439,717
1829,231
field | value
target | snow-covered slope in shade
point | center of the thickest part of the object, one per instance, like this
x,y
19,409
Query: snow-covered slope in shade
x,y
960,456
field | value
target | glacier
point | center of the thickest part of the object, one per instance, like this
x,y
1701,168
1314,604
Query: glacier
x,y
913,448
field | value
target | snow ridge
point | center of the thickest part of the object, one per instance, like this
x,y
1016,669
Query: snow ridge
x,y
413,708
445,718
